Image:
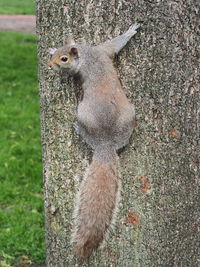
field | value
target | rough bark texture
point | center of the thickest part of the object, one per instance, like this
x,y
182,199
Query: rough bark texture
x,y
158,220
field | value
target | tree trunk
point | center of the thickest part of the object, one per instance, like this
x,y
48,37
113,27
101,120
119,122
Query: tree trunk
x,y
157,222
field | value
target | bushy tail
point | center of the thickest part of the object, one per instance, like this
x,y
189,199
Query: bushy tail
x,y
96,201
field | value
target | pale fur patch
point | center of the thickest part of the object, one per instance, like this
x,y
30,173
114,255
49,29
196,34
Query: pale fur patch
x,y
76,205
51,51
116,209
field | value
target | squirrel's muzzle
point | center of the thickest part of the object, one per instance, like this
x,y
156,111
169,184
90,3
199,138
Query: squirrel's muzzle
x,y
50,65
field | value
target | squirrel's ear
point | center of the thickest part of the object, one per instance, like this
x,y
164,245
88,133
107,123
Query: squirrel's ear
x,y
52,50
69,40
74,52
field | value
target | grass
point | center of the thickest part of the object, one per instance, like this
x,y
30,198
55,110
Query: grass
x,y
21,200
17,7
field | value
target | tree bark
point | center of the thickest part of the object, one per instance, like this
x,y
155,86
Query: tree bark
x,y
157,222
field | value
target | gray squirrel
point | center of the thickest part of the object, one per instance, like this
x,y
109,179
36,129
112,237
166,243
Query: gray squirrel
x,y
105,120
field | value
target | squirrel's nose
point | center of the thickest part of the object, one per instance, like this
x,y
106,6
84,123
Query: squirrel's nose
x,y
49,65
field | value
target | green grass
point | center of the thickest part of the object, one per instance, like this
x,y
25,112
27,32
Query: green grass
x,y
17,7
21,200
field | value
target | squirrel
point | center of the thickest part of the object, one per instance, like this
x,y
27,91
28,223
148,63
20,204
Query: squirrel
x,y
105,120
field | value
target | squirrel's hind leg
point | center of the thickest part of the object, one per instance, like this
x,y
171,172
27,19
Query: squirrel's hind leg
x,y
80,130
125,126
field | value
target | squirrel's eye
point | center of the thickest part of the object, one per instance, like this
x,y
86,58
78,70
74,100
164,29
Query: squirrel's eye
x,y
64,59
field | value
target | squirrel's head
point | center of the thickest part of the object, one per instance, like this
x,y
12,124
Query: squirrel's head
x,y
64,58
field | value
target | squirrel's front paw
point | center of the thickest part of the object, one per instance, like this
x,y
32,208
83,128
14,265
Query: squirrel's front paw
x,y
133,28
76,127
